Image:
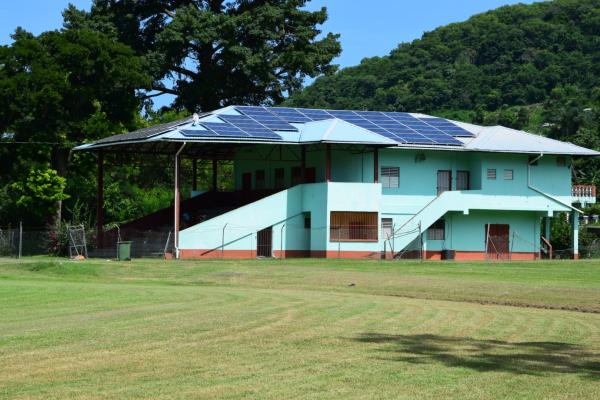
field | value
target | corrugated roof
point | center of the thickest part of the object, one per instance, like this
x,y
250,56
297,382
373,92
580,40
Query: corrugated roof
x,y
507,140
486,139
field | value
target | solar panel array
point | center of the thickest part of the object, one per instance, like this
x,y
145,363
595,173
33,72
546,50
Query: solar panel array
x,y
261,122
400,127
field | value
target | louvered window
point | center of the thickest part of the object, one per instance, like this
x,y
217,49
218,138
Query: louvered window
x,y
508,174
390,177
437,231
491,173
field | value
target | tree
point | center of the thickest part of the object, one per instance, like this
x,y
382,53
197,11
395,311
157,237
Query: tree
x,y
63,88
39,191
213,53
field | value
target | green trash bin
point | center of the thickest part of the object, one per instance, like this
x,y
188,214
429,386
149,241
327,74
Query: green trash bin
x,y
124,251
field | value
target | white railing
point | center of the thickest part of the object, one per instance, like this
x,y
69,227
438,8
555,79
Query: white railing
x,y
584,191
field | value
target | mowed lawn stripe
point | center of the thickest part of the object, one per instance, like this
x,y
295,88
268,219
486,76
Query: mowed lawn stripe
x,y
109,336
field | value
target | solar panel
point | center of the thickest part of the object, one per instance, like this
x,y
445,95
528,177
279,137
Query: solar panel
x,y
266,118
222,129
315,115
250,126
289,114
447,127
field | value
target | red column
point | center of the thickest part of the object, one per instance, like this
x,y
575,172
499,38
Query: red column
x,y
100,201
376,165
328,162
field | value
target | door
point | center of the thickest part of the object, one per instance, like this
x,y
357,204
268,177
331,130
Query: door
x,y
497,241
264,242
462,180
444,181
247,181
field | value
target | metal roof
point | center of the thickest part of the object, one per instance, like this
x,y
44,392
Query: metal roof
x,y
164,137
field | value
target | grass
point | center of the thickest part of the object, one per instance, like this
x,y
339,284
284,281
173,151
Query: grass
x,y
278,329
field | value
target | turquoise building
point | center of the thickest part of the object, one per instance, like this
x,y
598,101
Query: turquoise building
x,y
361,184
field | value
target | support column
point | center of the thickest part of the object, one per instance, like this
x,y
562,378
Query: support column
x,y
547,227
100,201
215,172
575,234
376,165
194,174
302,164
177,201
328,162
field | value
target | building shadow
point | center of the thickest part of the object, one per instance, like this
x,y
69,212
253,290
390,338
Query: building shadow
x,y
528,358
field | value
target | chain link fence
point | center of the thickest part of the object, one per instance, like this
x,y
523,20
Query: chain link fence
x,y
19,242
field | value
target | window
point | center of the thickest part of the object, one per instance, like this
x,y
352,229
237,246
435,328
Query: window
x,y
387,228
353,226
437,231
508,174
491,173
259,183
279,178
390,177
444,181
462,180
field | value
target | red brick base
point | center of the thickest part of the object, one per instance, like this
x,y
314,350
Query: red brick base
x,y
479,255
429,255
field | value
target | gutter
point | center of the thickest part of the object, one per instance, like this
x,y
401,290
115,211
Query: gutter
x,y
530,186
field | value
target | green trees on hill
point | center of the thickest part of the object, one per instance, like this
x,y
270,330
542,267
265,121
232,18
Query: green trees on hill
x,y
513,56
533,67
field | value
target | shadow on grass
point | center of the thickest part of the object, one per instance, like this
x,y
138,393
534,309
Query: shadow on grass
x,y
530,358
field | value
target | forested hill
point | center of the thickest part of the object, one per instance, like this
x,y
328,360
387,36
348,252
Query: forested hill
x,y
488,69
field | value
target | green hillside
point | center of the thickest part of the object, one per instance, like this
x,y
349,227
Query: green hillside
x,y
520,66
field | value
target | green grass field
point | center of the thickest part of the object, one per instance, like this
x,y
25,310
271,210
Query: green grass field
x,y
281,329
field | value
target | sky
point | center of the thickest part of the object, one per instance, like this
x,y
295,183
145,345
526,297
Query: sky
x,y
371,28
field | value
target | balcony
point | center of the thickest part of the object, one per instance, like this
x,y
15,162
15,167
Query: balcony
x,y
583,194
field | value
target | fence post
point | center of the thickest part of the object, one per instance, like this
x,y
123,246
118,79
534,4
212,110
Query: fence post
x,y
420,243
339,243
223,241
20,239
281,242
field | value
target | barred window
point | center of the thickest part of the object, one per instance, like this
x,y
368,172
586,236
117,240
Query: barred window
x,y
390,177
491,173
508,174
437,231
353,226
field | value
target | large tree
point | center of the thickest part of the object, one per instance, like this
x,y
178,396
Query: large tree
x,y
212,53
63,88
